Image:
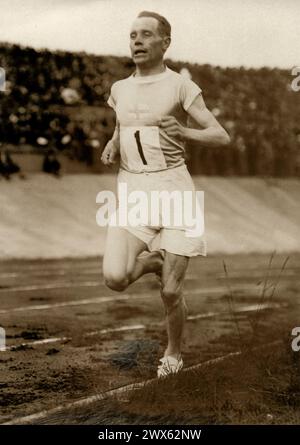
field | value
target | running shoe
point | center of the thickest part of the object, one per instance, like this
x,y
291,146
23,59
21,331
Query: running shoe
x,y
169,365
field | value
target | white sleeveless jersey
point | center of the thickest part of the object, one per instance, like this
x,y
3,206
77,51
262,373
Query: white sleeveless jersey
x,y
140,103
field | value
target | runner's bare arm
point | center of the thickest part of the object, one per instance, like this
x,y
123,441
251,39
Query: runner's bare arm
x,y
212,134
112,148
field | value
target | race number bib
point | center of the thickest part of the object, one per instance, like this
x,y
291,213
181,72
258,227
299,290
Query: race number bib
x,y
140,149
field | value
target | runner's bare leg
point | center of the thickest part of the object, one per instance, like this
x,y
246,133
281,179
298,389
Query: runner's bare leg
x,y
173,274
122,264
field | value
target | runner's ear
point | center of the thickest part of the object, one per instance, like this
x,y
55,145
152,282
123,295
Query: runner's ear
x,y
166,42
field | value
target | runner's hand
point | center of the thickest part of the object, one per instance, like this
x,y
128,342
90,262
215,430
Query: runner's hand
x,y
110,153
172,127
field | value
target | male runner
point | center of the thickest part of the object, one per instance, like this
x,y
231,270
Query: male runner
x,y
152,107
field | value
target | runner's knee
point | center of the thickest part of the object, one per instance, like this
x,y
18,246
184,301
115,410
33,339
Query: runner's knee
x,y
118,282
171,297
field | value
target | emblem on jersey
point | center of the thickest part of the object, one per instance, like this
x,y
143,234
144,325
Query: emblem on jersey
x,y
138,111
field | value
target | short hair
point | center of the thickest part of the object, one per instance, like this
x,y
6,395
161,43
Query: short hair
x,y
164,26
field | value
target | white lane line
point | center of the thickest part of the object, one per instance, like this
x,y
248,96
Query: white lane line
x,y
249,308
88,334
97,300
63,285
68,284
56,265
37,274
132,386
45,272
248,273
135,327
229,355
37,342
258,274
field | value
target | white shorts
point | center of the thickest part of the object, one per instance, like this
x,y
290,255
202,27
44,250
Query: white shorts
x,y
172,235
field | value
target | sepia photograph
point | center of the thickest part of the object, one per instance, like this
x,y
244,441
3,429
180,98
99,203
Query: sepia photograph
x,y
149,215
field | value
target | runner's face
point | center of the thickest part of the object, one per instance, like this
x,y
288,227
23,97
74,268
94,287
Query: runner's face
x,y
146,44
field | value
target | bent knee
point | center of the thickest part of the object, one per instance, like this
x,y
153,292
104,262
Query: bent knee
x,y
171,297
117,282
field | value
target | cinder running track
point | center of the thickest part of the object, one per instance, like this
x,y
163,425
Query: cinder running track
x,y
68,337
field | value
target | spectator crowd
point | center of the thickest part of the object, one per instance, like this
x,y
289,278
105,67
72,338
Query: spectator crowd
x,y
257,106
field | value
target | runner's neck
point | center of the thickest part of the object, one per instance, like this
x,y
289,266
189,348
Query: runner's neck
x,y
151,71
151,77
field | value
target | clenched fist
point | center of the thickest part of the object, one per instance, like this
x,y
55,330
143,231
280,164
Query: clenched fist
x,y
110,153
172,127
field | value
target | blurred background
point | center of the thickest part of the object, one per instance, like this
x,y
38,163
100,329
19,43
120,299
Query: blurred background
x,y
60,60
